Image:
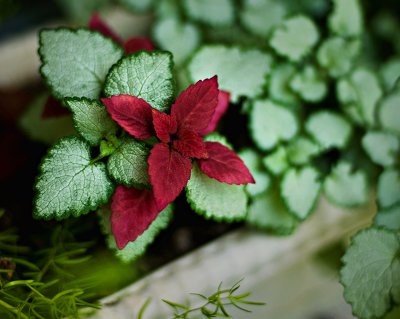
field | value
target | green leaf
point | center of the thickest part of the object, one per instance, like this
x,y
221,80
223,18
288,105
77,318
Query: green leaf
x,y
347,187
216,200
337,55
181,39
300,189
137,5
389,218
69,183
128,163
346,19
301,150
329,129
279,84
268,212
271,123
261,16
231,64
277,162
137,248
309,84
78,11
389,188
216,137
212,12
91,119
361,90
252,160
389,112
76,62
47,130
147,75
371,272
295,37
383,148
390,72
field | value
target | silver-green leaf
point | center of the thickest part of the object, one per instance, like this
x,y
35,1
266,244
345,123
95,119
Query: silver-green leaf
x,y
215,200
91,119
371,272
147,75
69,183
75,62
128,163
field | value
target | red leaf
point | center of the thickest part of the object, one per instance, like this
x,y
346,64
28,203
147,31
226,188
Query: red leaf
x,y
131,113
164,125
97,24
133,210
169,173
194,107
222,106
224,165
137,44
53,109
190,144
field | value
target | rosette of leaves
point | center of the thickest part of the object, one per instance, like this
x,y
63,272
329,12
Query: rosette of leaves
x,y
134,149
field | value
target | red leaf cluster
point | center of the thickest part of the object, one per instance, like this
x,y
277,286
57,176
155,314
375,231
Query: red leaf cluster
x,y
196,112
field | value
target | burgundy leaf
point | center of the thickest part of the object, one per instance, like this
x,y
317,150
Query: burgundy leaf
x,y
133,210
138,43
164,125
97,24
169,173
131,113
194,107
222,106
224,165
190,144
53,108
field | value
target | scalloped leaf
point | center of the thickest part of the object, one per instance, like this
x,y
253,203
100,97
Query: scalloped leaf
x,y
389,188
309,84
136,248
383,148
390,72
361,90
388,218
137,5
215,200
277,161
301,150
69,183
337,55
128,163
271,123
91,119
261,16
389,112
371,272
230,64
147,75
76,62
253,162
329,129
181,39
278,86
346,187
346,19
268,212
212,12
295,37
300,189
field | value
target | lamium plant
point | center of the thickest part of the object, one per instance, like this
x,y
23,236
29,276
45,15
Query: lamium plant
x,y
314,89
148,147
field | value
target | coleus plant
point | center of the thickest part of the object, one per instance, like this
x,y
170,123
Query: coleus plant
x,y
148,150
